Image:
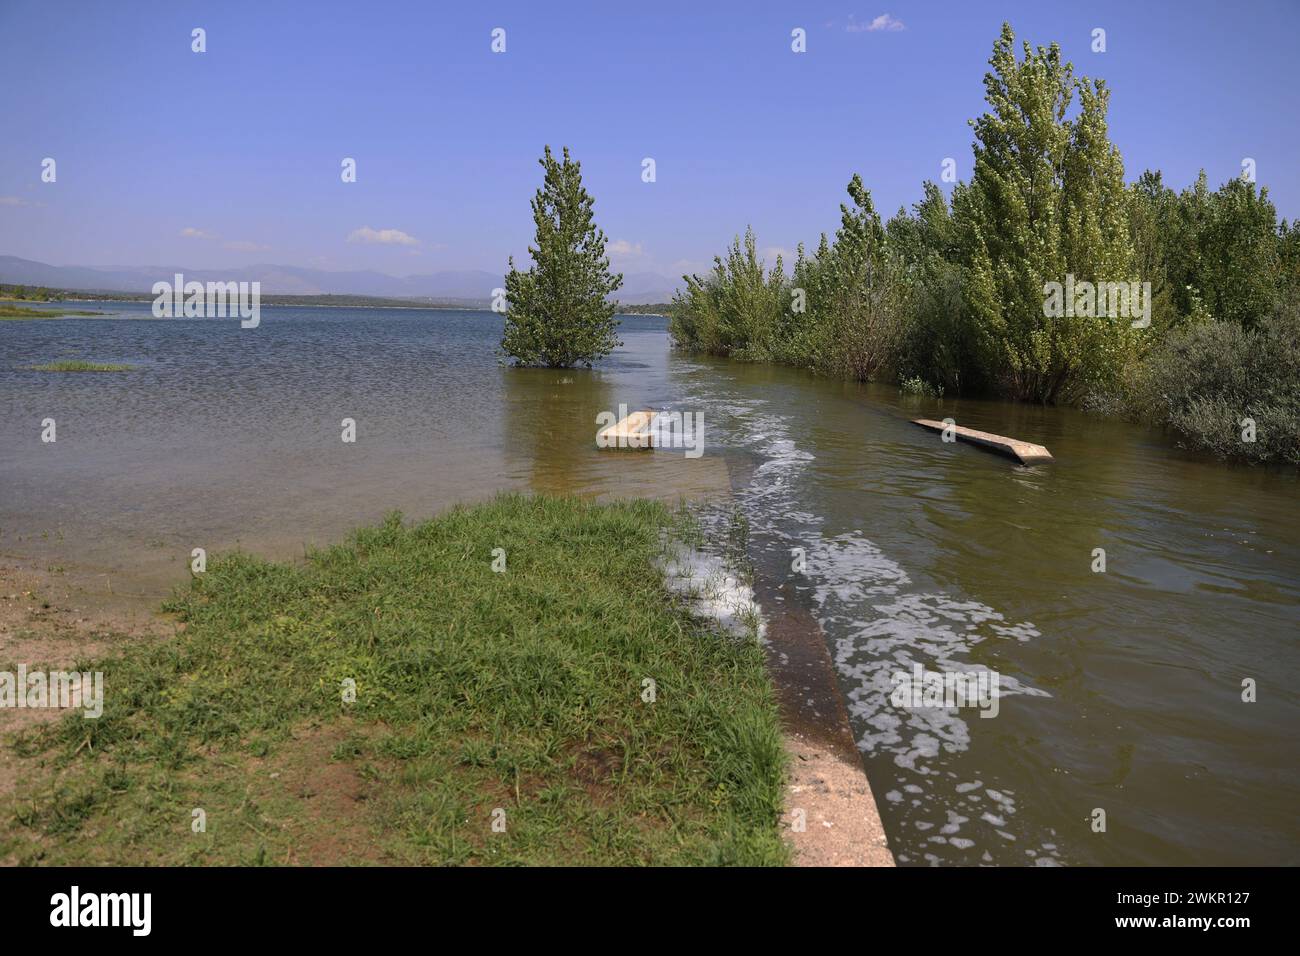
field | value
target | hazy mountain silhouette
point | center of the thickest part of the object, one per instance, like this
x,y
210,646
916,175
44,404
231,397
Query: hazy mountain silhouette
x,y
470,284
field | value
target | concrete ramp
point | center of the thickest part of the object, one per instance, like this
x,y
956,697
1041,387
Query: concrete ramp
x,y
1027,453
632,432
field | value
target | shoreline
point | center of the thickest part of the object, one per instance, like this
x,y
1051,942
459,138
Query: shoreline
x,y
58,620
714,715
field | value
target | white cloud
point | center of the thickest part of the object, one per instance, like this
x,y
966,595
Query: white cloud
x,y
883,22
238,245
16,201
692,267
388,237
622,249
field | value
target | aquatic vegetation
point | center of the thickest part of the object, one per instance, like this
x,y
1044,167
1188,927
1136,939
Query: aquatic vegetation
x,y
18,312
919,386
77,365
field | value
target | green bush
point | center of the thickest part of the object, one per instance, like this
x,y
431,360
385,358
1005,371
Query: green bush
x,y
841,313
736,309
1202,381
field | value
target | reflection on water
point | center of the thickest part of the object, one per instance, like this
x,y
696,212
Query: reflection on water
x,y
549,427
1121,690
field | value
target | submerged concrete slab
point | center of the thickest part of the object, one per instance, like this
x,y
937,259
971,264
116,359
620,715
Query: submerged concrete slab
x,y
1027,453
632,432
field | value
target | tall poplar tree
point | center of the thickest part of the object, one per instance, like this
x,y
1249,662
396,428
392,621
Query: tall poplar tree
x,y
558,313
1047,199
863,314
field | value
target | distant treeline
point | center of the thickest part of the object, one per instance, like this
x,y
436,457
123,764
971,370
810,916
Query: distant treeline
x,y
1044,278
42,294
28,293
657,308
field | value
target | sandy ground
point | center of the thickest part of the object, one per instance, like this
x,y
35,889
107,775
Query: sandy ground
x,y
51,621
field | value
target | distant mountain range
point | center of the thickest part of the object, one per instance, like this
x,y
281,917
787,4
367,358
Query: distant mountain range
x,y
463,285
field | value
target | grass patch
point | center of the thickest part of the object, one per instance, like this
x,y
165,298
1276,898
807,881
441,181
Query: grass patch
x,y
17,312
77,365
476,692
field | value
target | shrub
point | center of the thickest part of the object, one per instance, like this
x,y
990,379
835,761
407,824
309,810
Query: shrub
x,y
1203,380
736,309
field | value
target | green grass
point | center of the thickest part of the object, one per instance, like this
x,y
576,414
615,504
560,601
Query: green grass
x,y
17,312
475,690
77,365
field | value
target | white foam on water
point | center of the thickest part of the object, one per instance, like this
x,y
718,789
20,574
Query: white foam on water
x,y
880,624
713,592
881,628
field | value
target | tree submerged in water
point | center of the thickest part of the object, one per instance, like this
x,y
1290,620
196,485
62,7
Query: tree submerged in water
x,y
558,312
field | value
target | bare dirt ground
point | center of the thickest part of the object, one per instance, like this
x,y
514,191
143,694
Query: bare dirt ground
x,y
51,621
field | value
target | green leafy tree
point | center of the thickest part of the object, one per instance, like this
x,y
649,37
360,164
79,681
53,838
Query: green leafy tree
x,y
1159,242
804,312
558,312
737,309
924,243
953,296
1046,200
1288,255
863,308
1222,252
1236,251
802,338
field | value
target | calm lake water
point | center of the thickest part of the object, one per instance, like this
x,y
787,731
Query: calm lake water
x,y
1121,690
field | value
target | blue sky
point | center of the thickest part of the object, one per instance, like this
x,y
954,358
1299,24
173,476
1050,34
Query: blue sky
x,y
232,156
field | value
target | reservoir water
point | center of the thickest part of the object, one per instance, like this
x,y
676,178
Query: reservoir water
x,y
1121,690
